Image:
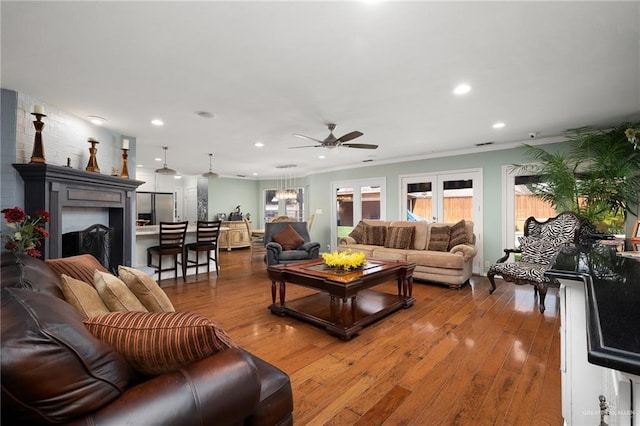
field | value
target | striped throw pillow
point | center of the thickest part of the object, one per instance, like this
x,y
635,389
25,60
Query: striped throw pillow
x,y
399,237
158,342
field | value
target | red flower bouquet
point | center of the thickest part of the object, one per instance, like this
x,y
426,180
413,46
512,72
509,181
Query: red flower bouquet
x,y
25,233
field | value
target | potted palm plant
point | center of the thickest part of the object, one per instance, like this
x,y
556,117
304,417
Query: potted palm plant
x,y
598,177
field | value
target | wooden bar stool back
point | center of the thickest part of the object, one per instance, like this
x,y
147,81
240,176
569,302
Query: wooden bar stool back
x,y
207,235
170,243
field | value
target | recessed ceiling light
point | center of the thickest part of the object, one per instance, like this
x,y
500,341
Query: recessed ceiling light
x,y
98,121
157,122
258,144
462,89
322,157
177,177
498,125
255,174
139,165
157,159
205,114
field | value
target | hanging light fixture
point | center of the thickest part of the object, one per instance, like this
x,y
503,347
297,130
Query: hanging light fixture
x,y
165,170
210,174
285,190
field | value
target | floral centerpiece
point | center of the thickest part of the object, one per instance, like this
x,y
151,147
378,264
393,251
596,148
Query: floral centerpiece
x,y
346,260
26,232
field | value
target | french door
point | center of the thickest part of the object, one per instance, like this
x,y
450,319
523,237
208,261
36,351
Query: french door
x,y
353,201
445,198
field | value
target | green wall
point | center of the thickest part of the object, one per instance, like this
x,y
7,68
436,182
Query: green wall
x,y
318,189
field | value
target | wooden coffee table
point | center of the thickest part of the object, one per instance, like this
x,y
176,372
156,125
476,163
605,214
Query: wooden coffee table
x,y
346,303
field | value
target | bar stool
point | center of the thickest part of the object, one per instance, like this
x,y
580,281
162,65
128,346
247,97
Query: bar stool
x,y
207,234
170,243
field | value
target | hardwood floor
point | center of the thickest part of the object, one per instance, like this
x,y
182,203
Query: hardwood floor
x,y
457,357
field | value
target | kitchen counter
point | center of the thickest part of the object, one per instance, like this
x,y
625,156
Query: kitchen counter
x,y
612,284
599,335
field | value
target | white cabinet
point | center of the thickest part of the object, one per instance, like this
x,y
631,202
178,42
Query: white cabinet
x,y
582,382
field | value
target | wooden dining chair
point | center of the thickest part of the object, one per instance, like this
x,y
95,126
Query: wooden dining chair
x,y
170,243
207,235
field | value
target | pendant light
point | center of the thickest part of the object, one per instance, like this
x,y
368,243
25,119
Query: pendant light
x,y
165,170
210,174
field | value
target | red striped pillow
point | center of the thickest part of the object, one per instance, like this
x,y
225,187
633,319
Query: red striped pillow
x,y
159,342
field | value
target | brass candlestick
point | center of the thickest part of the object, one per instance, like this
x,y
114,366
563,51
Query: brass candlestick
x,y
92,166
37,156
125,172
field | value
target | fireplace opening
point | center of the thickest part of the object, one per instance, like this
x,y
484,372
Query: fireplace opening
x,y
96,240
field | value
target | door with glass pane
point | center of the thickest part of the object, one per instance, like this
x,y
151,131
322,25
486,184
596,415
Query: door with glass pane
x,y
445,198
354,201
521,204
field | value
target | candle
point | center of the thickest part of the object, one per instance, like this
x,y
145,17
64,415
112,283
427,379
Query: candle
x,y
38,109
125,143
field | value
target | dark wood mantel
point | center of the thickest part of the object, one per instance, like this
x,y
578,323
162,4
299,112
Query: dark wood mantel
x,y
51,188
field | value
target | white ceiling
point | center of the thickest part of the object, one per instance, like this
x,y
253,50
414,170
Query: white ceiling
x,y
268,70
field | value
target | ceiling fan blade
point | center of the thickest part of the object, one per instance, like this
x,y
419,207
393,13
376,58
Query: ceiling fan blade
x,y
360,145
349,136
307,137
306,146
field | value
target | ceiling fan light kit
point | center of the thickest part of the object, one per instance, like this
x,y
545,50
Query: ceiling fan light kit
x,y
332,142
165,170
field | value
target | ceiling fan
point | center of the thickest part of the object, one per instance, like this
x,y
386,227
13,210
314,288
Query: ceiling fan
x,y
332,142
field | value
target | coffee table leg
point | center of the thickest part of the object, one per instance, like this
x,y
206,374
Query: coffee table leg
x,y
332,308
345,313
354,308
282,293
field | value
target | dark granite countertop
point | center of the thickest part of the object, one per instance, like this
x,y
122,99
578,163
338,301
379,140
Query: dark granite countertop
x,y
612,284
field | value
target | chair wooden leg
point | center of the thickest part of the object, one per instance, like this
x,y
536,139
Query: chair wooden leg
x,y
542,289
159,267
491,276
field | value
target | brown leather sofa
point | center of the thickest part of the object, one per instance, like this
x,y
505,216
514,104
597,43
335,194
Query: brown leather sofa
x,y
231,387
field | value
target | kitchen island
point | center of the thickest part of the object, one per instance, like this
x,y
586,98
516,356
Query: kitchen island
x,y
599,335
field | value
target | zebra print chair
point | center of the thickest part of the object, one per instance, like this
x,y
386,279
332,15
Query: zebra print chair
x,y
541,243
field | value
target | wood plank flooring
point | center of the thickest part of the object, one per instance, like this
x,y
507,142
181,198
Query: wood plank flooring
x,y
457,357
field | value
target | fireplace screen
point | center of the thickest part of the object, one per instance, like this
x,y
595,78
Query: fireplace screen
x,y
95,240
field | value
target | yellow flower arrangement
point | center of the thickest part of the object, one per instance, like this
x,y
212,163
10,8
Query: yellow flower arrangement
x,y
346,260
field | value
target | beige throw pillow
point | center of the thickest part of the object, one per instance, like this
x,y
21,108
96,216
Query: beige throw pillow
x,y
83,297
146,290
115,294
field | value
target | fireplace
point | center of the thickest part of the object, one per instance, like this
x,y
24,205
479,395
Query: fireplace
x,y
94,240
54,188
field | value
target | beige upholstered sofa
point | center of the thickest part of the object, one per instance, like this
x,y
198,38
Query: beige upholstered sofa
x,y
451,266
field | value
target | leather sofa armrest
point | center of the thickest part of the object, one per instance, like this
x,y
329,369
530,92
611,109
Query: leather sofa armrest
x,y
221,389
309,246
347,240
468,252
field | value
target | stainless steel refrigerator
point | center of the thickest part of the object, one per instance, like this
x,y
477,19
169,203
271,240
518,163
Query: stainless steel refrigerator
x,y
155,207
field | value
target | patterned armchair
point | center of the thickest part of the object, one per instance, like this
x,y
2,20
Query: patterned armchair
x,y
541,243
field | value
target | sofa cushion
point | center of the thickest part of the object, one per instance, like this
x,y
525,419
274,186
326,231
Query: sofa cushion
x,y
288,238
374,235
365,248
146,289
399,237
439,259
24,271
115,294
80,267
44,337
159,342
439,238
358,232
391,254
82,296
458,234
